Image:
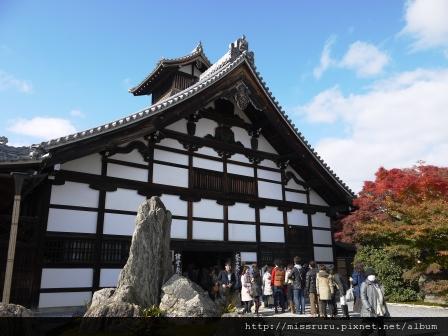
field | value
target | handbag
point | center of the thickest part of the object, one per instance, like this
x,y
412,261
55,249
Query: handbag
x,y
349,296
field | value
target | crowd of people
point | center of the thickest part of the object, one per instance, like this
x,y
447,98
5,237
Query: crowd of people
x,y
287,289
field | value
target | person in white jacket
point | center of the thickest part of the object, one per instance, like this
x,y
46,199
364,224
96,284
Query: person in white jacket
x,y
267,286
246,285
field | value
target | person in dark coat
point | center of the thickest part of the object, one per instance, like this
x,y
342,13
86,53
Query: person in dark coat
x,y
357,279
226,280
257,291
310,288
298,277
340,288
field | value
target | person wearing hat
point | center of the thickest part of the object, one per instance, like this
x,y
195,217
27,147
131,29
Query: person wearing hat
x,y
372,296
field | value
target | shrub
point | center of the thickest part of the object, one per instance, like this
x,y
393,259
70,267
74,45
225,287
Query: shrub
x,y
153,311
389,273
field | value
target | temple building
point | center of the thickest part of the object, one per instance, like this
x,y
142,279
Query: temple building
x,y
241,182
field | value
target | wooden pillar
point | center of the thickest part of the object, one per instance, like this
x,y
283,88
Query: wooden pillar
x,y
18,183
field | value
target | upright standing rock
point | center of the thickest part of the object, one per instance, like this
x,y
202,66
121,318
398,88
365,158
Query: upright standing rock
x,y
149,262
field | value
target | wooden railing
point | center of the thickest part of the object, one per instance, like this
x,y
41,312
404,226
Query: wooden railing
x,y
211,180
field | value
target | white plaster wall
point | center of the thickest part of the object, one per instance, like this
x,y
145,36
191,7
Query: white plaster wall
x,y
241,211
119,224
125,172
269,190
207,208
87,164
242,232
208,230
322,237
207,151
293,185
66,277
242,136
271,214
295,197
207,164
320,219
73,193
323,253
205,126
316,199
133,156
239,158
269,175
109,277
166,156
265,146
178,229
167,142
269,164
240,170
63,220
248,256
124,199
297,217
174,204
272,234
179,126
68,299
289,168
168,175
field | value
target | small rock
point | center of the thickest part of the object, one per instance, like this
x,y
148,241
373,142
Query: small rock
x,y
101,296
14,310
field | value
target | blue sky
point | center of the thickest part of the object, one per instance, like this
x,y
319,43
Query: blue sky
x,y
363,81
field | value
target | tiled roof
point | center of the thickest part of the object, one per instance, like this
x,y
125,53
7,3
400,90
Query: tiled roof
x,y
11,153
197,53
237,54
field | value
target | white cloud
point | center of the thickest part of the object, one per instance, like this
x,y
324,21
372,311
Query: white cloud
x,y
8,81
325,58
427,23
362,57
396,123
77,113
42,128
365,59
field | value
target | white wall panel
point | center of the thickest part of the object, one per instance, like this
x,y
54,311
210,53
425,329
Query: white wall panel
x,y
87,164
269,190
66,277
208,230
68,299
125,172
124,199
207,208
272,234
239,158
205,126
207,151
242,136
297,217
242,232
118,224
242,212
269,164
179,126
63,220
270,175
265,146
322,237
271,214
207,164
291,196
320,219
316,199
178,229
323,253
174,204
166,156
170,175
133,156
73,193
109,277
248,256
172,143
240,170
293,185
